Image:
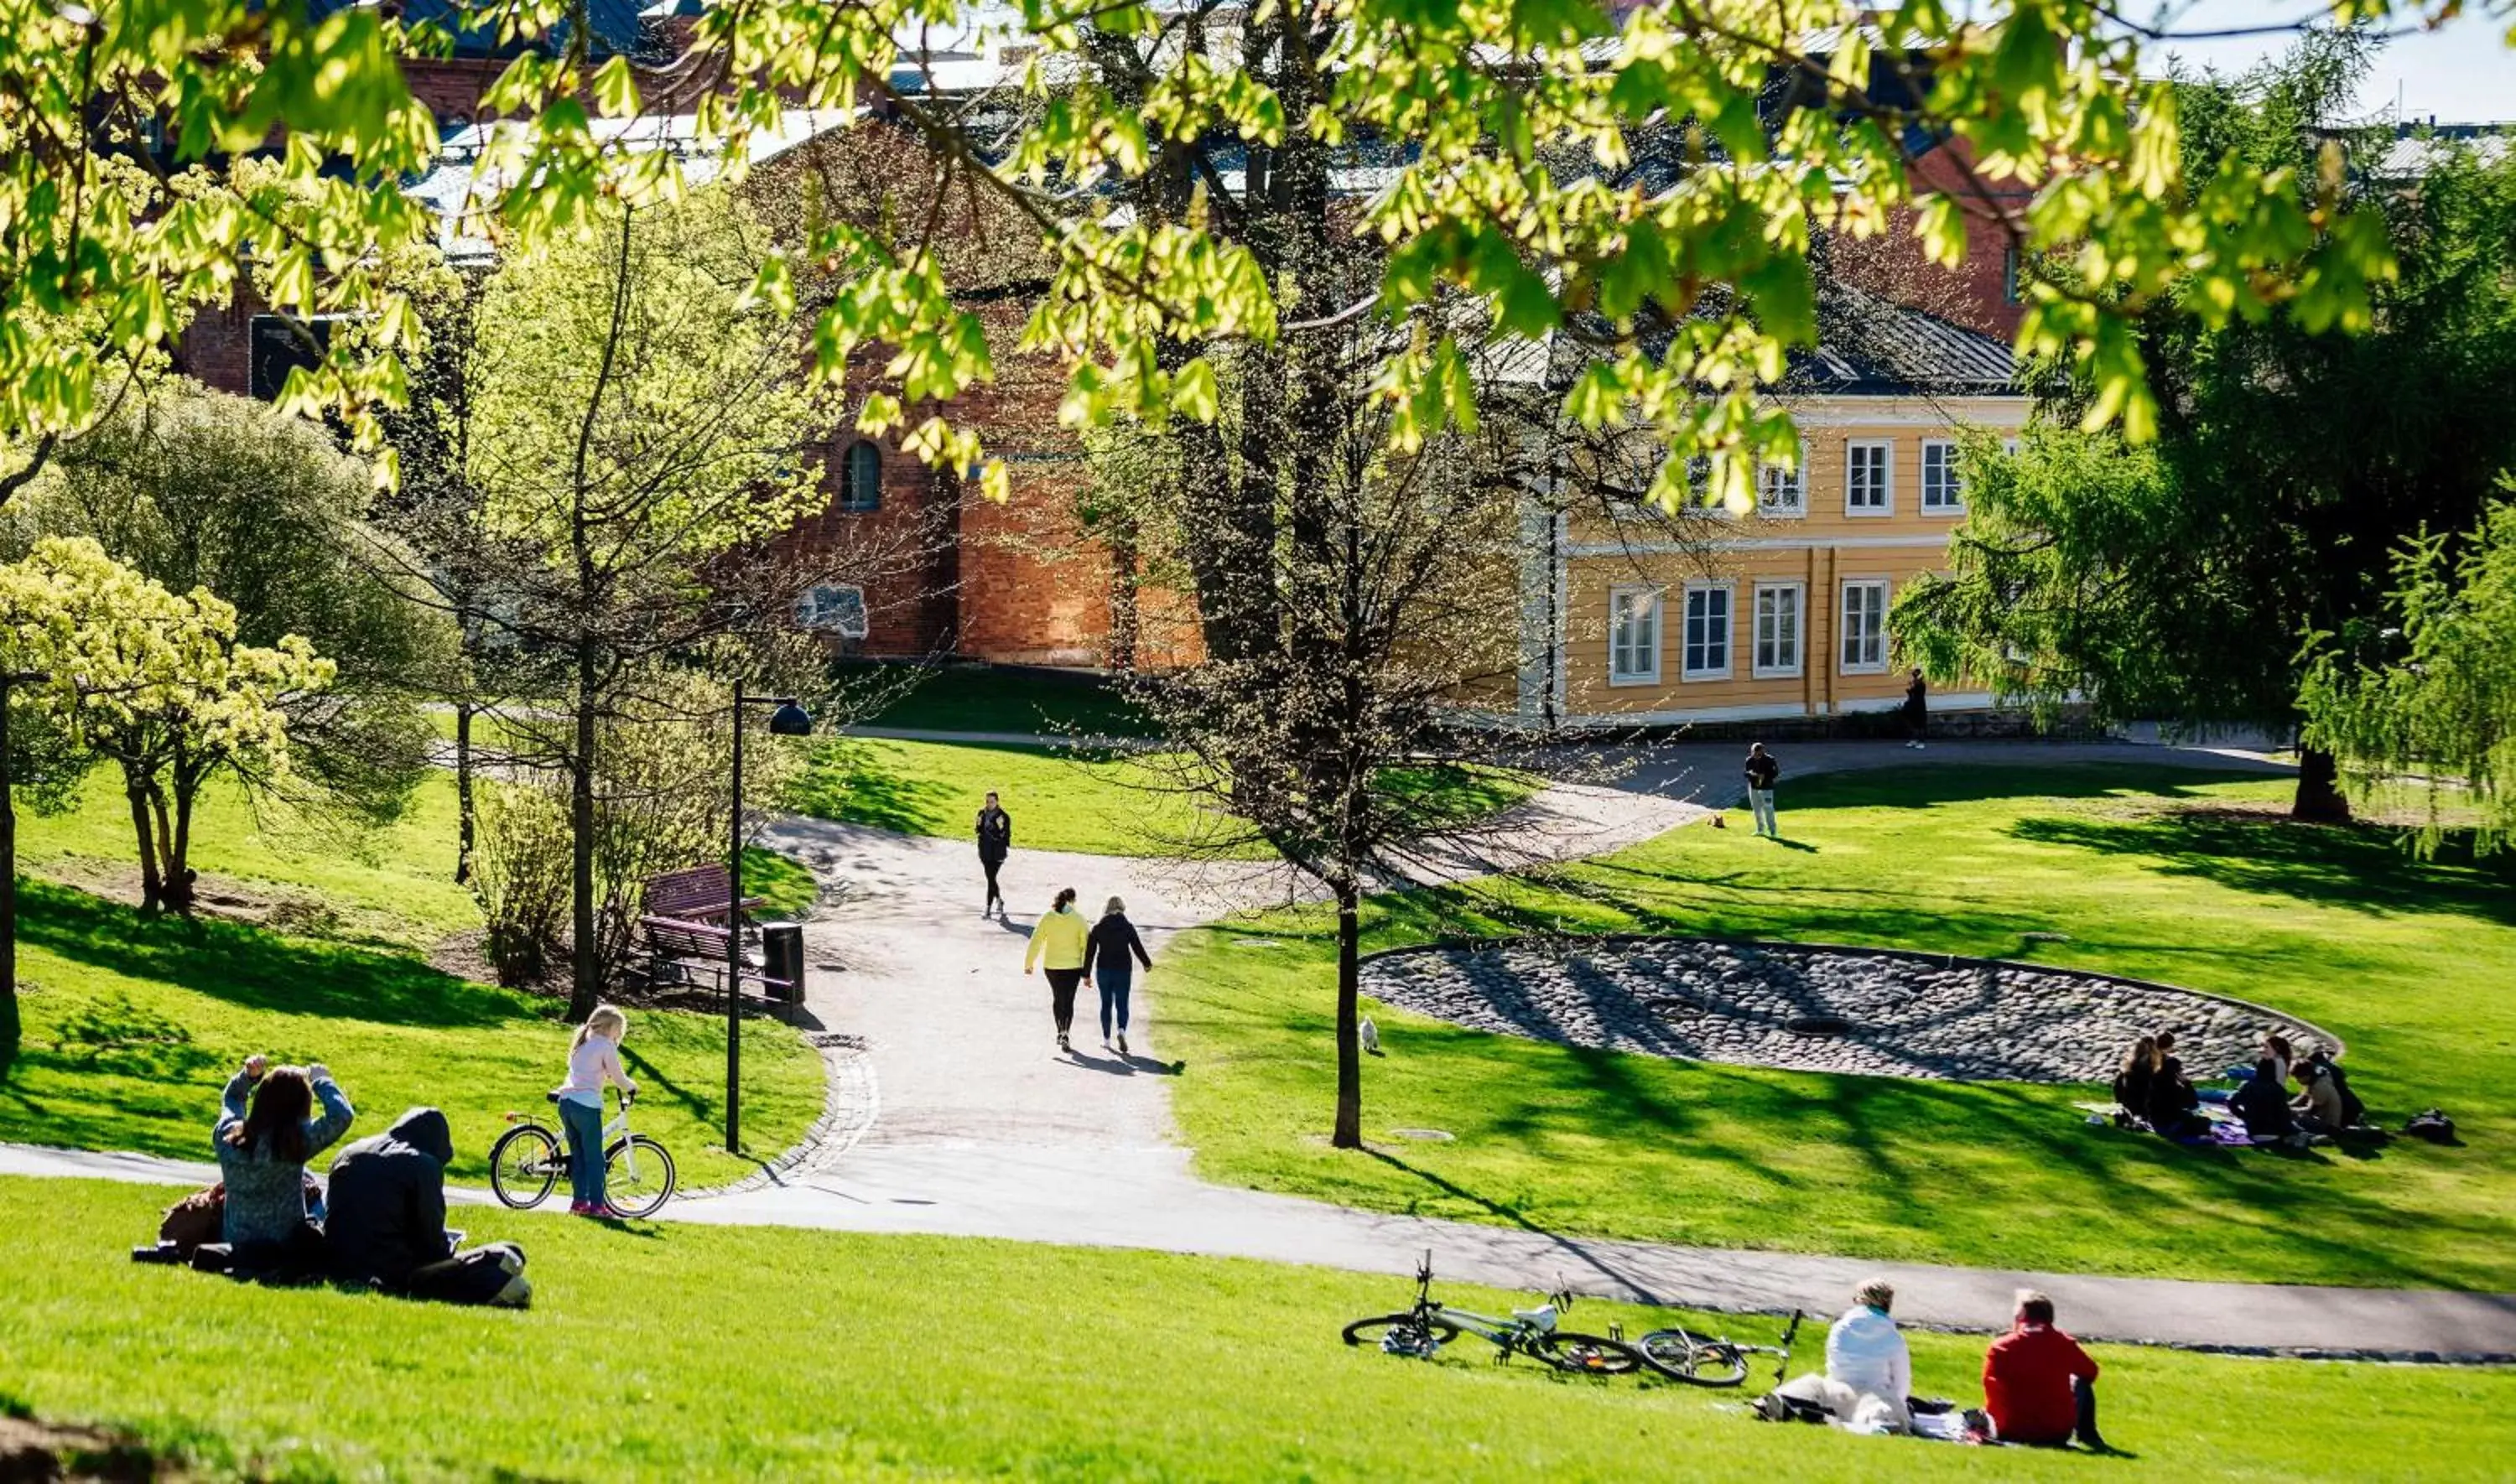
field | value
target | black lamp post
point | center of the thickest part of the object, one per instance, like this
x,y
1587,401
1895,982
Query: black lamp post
x,y
790,720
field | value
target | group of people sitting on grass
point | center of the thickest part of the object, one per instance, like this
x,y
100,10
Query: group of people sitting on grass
x,y
381,1222
2152,1088
2039,1388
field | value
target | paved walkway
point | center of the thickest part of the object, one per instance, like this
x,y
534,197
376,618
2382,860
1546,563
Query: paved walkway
x,y
984,1128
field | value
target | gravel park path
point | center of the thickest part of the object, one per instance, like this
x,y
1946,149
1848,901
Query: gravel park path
x,y
957,1115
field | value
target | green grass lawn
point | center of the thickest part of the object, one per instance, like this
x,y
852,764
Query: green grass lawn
x,y
1097,803
393,885
131,1027
2411,962
982,698
682,1353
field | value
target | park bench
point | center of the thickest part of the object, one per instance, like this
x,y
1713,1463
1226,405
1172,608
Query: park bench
x,y
688,921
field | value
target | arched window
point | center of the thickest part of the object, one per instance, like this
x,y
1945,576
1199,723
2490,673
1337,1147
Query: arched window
x,y
860,477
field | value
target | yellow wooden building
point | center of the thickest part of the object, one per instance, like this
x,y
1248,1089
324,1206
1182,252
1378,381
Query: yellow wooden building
x,y
1783,612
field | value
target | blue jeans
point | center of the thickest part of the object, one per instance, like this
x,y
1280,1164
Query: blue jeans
x,y
584,1125
1113,997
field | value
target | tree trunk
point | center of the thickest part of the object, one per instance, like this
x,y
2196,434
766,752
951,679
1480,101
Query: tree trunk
x,y
179,845
585,982
2318,799
1349,1103
153,887
1123,584
463,807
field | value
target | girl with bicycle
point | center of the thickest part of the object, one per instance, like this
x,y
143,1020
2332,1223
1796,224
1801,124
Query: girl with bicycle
x,y
593,1063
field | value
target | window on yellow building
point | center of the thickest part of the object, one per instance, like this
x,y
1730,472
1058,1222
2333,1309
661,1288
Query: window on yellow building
x,y
1942,491
1633,635
1864,626
1707,631
1869,478
1778,629
1781,493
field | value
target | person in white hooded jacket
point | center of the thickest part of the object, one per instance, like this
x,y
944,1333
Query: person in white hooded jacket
x,y
1868,1372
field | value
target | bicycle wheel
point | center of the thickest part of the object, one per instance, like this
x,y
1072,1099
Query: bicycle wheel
x,y
638,1177
1401,1334
1693,1359
524,1164
1586,1354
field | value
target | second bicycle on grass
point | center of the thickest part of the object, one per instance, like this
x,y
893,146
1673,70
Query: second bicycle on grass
x,y
531,1158
1704,1360
1423,1330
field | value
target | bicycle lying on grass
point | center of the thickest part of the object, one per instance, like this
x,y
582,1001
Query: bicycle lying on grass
x,y
1701,1360
531,1157
1423,1330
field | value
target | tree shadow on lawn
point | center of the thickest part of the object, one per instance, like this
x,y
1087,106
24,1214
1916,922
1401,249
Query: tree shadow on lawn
x,y
2013,775
2362,867
257,969
848,782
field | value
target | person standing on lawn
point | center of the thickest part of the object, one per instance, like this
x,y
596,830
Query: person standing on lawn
x,y
1058,944
592,1064
1762,771
1104,957
2039,1385
1918,709
995,842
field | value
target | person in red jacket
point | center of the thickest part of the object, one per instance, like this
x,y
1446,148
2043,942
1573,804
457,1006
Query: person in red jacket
x,y
2039,1385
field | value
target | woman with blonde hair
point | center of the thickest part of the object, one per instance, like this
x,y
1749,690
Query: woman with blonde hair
x,y
2133,1078
593,1063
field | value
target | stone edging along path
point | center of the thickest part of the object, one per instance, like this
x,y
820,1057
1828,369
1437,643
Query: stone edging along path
x,y
1821,1007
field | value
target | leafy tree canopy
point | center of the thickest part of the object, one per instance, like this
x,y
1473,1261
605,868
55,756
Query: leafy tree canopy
x,y
1508,131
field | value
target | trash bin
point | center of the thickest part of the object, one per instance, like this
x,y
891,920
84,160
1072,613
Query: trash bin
x,y
781,947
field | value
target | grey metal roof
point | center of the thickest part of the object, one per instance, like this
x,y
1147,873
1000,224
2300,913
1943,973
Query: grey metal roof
x,y
1870,347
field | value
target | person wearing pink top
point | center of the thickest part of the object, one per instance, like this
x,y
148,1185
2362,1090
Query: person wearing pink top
x,y
592,1064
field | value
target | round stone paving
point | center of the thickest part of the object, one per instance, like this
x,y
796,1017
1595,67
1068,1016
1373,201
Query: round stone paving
x,y
1876,1012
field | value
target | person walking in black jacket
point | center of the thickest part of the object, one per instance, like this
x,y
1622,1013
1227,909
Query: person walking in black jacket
x,y
995,842
387,1225
1104,957
1918,709
1762,771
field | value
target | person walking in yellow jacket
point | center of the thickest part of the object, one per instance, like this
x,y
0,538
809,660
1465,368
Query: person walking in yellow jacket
x,y
1057,944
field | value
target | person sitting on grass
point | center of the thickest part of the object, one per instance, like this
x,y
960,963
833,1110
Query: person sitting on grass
x,y
1868,1375
262,1162
2263,1105
2132,1079
2172,1103
2320,1060
2318,1105
388,1221
2040,1387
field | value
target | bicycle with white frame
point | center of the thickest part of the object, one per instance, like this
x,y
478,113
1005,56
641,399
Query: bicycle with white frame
x,y
531,1158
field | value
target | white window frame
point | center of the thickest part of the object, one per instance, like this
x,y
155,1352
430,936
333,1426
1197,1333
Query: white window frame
x,y
1952,488
1654,596
1687,668
1851,450
1844,663
1796,479
1756,666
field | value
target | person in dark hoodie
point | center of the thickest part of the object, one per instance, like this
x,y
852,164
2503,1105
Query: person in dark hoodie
x,y
388,1221
1106,951
2263,1103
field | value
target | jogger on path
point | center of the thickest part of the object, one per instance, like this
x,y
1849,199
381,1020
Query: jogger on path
x,y
1060,940
1104,957
995,842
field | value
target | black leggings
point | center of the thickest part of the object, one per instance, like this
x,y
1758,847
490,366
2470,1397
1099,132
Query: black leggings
x,y
995,893
1062,984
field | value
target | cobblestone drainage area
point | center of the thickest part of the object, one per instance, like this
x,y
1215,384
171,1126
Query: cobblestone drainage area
x,y
1876,1012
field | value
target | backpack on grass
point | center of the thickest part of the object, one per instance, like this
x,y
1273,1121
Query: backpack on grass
x,y
2431,1125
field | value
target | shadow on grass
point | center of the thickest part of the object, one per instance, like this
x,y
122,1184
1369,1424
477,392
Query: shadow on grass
x,y
248,966
2013,775
2365,867
846,782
